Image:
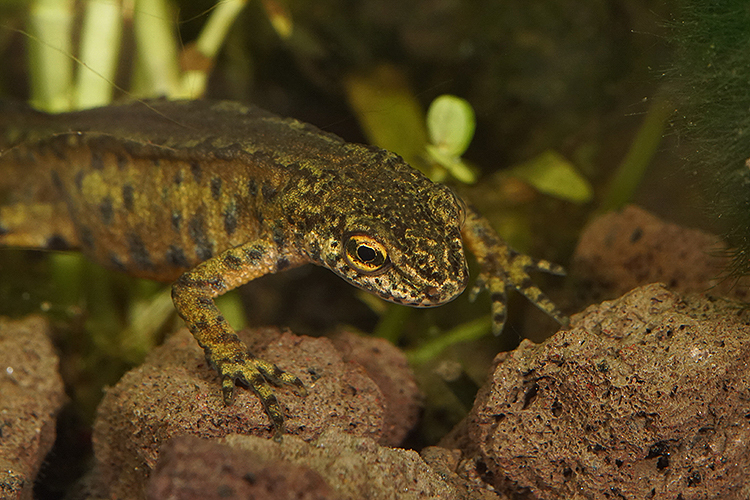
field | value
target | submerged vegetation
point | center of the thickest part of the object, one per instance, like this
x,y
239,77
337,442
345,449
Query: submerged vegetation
x,y
710,76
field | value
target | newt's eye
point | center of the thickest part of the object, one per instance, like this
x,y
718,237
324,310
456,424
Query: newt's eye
x,y
365,254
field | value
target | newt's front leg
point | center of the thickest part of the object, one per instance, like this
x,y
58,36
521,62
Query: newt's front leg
x,y
502,267
193,295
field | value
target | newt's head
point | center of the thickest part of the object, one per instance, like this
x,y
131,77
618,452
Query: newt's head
x,y
394,233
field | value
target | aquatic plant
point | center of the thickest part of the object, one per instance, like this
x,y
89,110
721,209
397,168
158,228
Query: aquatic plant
x,y
711,75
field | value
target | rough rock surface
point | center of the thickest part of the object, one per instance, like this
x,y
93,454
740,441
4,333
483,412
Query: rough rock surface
x,y
460,472
621,250
32,394
388,368
355,467
176,393
202,469
647,396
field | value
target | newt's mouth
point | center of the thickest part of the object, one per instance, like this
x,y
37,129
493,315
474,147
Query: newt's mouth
x,y
438,296
431,296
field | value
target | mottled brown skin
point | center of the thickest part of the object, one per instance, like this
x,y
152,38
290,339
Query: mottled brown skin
x,y
215,194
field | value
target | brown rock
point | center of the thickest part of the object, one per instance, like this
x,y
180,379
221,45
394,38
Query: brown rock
x,y
460,472
32,394
202,469
355,467
646,397
619,251
176,393
388,368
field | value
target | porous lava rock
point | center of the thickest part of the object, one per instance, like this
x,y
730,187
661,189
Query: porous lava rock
x,y
191,468
332,466
175,392
460,471
32,394
646,396
621,250
388,367
356,467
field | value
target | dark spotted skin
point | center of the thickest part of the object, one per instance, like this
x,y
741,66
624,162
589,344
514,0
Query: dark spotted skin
x,y
212,195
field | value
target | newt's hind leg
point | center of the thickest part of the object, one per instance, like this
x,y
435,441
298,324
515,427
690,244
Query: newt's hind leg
x,y
502,268
40,226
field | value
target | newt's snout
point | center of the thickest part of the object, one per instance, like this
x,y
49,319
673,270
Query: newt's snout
x,y
444,292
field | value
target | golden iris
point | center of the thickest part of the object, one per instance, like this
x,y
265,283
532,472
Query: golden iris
x,y
366,254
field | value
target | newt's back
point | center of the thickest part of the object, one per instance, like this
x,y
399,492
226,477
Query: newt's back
x,y
150,189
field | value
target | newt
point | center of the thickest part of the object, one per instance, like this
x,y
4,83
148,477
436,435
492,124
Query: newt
x,y
210,195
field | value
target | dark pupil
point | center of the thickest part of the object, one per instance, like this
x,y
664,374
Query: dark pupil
x,y
365,253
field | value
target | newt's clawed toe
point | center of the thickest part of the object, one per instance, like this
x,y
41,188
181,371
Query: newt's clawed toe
x,y
497,281
258,374
502,267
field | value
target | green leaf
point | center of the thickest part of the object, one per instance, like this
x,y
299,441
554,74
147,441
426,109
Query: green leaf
x,y
99,50
465,332
629,174
451,124
552,174
388,112
157,71
51,24
453,164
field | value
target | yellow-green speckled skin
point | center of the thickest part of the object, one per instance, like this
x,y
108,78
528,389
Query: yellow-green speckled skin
x,y
210,195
